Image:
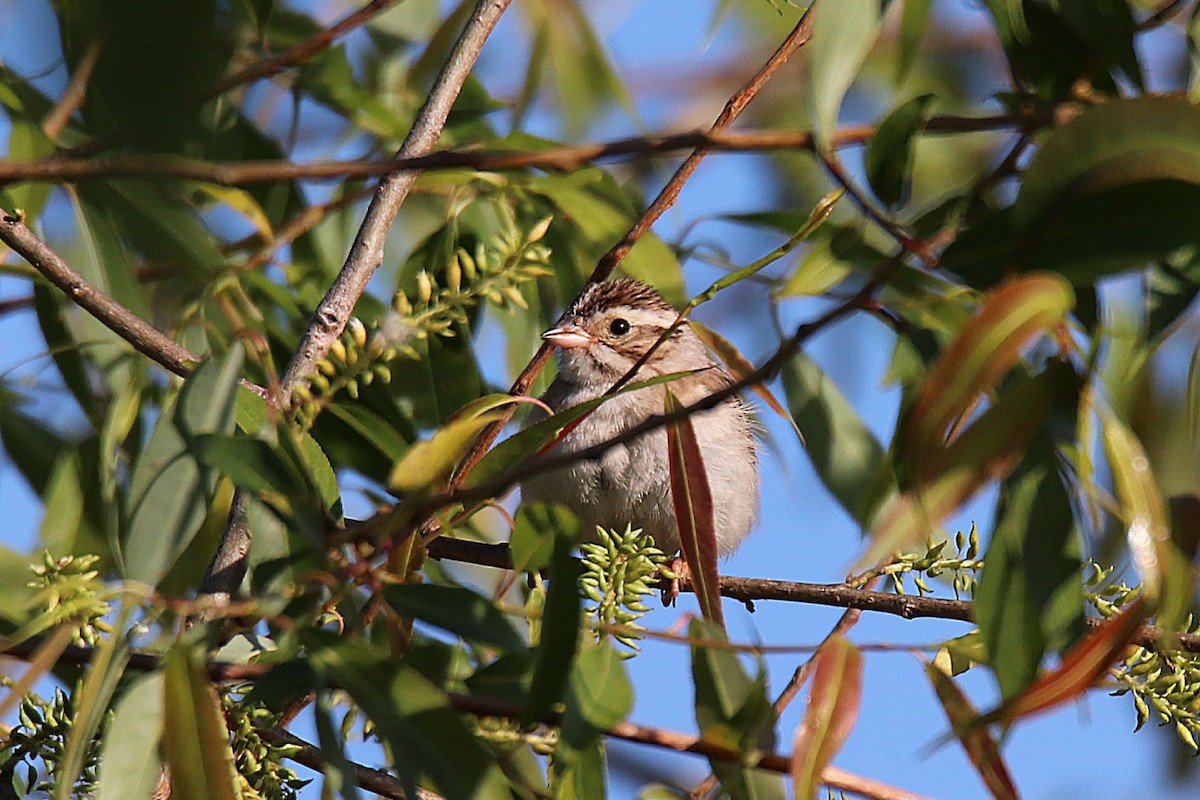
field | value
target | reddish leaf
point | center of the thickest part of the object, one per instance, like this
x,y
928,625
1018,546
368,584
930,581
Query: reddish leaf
x,y
833,704
1085,664
986,451
984,350
693,503
741,366
980,746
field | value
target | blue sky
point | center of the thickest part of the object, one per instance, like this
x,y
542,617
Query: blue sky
x,y
1084,750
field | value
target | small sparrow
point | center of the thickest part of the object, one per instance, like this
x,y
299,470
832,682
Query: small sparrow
x,y
599,339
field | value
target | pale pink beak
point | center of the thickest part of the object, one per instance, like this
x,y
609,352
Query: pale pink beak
x,y
567,336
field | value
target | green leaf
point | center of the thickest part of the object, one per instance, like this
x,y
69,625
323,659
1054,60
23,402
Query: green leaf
x,y
430,461
559,638
34,448
339,774
845,454
692,500
914,19
455,609
170,490
535,529
843,33
371,427
988,450
890,152
1109,27
197,741
130,764
833,704
600,694
732,711
412,716
1164,568
250,463
1030,594
91,703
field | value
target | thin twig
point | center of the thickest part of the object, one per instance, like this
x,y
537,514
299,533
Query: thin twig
x,y
303,51
73,96
250,173
144,337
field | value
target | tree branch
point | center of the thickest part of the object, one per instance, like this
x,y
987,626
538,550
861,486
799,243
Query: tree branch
x,y
144,337
303,51
366,254
249,173
839,595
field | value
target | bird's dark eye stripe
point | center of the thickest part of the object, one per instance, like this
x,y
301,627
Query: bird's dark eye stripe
x,y
619,327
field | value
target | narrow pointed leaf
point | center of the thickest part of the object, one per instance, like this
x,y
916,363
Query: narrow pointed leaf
x,y
984,350
843,33
455,609
428,462
1082,667
692,498
559,637
848,458
1164,568
197,741
130,765
979,745
988,450
741,366
890,151
833,704
170,489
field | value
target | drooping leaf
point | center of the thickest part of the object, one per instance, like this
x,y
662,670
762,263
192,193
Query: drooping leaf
x,y
843,33
1030,594
988,450
741,366
833,705
558,639
170,490
1084,665
455,609
599,696
536,527
1164,568
845,454
339,774
891,150
414,718
250,463
196,740
984,350
979,745
691,497
130,764
732,711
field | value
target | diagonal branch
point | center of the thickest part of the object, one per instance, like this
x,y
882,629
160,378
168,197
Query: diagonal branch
x,y
366,254
666,198
144,337
303,51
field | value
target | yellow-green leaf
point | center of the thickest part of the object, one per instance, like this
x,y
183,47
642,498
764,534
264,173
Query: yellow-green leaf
x,y
196,739
833,704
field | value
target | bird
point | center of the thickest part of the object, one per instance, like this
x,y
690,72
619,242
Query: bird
x,y
608,328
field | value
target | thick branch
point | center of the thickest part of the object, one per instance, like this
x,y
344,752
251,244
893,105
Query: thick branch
x,y
838,595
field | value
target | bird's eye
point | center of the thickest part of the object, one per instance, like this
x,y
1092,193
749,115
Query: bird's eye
x,y
618,327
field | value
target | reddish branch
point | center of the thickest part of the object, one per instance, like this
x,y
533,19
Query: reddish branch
x,y
303,51
247,173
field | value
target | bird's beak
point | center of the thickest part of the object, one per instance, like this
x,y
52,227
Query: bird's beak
x,y
567,336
